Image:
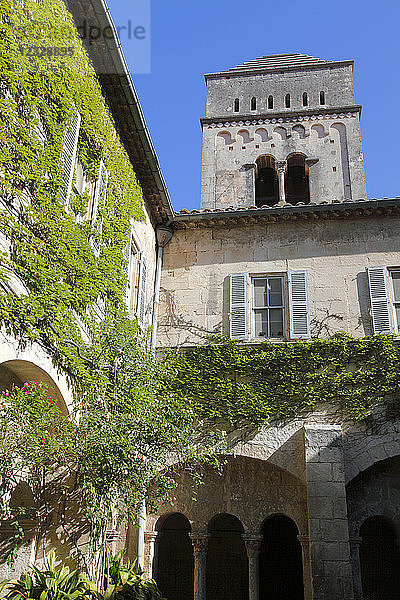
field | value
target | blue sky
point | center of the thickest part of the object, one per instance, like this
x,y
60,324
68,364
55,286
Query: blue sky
x,y
192,38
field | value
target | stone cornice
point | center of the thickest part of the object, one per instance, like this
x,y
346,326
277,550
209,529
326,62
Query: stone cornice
x,y
337,112
309,212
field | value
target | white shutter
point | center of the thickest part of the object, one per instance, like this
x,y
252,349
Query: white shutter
x,y
299,311
141,311
238,306
127,269
379,296
68,157
100,195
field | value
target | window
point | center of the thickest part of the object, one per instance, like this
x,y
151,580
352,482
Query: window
x,y
236,105
266,181
305,99
297,187
287,100
269,306
98,200
253,104
322,98
136,282
270,102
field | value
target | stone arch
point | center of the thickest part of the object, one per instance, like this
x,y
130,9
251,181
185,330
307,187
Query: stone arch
x,y
318,130
262,134
280,133
266,181
280,555
300,131
297,183
244,135
227,567
17,372
173,557
224,138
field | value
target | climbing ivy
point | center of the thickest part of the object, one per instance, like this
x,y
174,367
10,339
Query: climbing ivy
x,y
238,385
45,77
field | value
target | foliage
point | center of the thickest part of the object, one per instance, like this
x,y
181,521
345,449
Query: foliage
x,y
238,385
123,582
61,583
51,584
114,447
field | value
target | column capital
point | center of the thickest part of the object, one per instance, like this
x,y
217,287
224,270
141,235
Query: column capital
x,y
150,536
199,541
252,541
281,165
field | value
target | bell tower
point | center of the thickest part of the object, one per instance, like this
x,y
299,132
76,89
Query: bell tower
x,y
282,130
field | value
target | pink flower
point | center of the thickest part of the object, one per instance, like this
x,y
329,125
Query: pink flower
x,y
44,440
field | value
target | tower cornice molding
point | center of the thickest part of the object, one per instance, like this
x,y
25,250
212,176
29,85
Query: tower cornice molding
x,y
338,112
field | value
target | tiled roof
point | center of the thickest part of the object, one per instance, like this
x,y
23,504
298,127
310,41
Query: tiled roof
x,y
251,214
275,61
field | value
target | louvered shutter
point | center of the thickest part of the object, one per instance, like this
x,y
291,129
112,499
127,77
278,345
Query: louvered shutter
x,y
100,195
238,306
68,157
379,297
299,311
141,311
127,271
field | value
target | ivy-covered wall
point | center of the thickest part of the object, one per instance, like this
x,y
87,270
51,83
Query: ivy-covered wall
x,y
47,255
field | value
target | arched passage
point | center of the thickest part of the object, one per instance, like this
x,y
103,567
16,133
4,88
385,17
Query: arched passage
x,y
297,188
227,568
174,558
267,191
379,559
281,565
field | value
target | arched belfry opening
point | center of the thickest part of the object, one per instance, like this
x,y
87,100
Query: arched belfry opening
x,y
267,188
379,559
173,560
281,565
297,186
227,565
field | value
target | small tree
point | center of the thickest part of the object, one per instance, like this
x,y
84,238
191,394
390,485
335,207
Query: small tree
x,y
121,444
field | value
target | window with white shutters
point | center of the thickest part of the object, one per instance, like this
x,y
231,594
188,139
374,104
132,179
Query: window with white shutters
x,y
381,312
395,296
68,157
141,305
262,313
299,311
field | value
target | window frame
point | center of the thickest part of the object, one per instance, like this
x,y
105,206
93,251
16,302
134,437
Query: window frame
x,y
393,302
253,309
133,276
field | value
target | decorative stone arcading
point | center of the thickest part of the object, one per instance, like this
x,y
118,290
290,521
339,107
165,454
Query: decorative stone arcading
x,y
266,121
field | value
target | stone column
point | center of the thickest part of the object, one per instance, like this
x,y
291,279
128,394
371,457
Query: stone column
x,y
253,543
305,551
327,513
199,541
355,543
148,558
281,165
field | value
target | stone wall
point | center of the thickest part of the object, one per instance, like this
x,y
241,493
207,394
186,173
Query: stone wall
x,y
198,263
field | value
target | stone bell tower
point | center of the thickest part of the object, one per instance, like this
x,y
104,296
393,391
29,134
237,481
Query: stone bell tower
x,y
282,129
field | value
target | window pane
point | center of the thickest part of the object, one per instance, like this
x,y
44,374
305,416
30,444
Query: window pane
x,y
396,285
260,292
275,292
260,323
397,309
276,322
